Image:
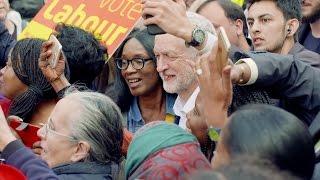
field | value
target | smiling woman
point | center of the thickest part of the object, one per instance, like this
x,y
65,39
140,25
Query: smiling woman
x,y
138,86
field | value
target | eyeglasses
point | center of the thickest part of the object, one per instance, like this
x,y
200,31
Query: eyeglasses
x,y
48,129
137,63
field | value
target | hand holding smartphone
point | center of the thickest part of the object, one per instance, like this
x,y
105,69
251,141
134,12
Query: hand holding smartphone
x,y
223,49
154,29
56,49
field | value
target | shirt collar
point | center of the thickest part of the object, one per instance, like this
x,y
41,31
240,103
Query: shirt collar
x,y
134,111
191,101
181,108
178,106
84,168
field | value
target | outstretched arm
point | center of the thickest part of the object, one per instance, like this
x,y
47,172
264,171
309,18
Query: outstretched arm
x,y
22,158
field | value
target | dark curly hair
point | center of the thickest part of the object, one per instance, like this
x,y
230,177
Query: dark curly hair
x,y
84,53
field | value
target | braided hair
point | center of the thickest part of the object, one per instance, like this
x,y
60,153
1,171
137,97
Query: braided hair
x,y
24,59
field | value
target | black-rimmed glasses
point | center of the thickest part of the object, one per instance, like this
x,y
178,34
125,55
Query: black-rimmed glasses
x,y
137,63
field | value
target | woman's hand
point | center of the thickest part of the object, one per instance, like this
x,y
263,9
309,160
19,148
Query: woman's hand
x,y
215,88
6,135
52,74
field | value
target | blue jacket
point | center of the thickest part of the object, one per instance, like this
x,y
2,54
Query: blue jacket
x,y
17,155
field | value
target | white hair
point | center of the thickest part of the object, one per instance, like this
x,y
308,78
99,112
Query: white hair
x,y
99,124
203,23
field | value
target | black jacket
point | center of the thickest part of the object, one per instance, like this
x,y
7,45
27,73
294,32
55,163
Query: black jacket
x,y
305,55
292,80
27,8
6,43
86,170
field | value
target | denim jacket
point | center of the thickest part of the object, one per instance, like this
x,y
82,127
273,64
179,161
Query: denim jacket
x,y
134,117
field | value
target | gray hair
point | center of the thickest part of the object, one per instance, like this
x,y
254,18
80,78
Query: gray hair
x,y
202,23
100,125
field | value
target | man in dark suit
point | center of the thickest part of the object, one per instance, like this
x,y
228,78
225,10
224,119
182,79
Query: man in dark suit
x,y
6,43
286,77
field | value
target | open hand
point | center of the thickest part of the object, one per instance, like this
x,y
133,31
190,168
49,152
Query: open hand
x,y
50,73
215,88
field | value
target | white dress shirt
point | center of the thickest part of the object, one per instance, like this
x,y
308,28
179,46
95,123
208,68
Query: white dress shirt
x,y
181,109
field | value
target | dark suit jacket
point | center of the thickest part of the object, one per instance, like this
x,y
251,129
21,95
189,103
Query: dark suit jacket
x,y
305,55
314,129
290,79
6,43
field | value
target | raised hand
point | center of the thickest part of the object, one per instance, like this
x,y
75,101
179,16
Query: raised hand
x,y
54,75
215,88
50,73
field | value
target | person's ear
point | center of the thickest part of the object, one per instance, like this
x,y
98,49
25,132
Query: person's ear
x,y
81,151
292,27
239,27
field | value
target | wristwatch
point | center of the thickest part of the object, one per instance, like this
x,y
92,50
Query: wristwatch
x,y
197,38
214,133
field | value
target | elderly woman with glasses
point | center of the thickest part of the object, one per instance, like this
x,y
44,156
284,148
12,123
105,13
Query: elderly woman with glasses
x,y
138,86
81,140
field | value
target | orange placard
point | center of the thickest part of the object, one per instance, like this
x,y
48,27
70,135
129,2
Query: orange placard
x,y
110,20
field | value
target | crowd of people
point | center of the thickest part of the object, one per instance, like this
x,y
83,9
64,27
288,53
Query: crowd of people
x,y
162,107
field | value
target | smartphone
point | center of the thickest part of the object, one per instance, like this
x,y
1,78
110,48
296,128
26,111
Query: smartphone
x,y
223,49
27,132
154,29
56,50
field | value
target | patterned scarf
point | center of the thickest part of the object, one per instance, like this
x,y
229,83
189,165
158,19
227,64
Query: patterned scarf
x,y
163,151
